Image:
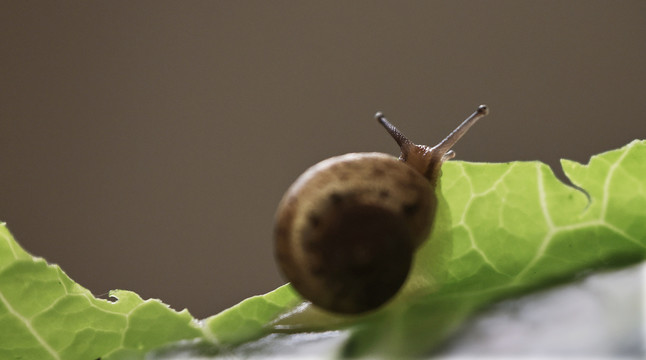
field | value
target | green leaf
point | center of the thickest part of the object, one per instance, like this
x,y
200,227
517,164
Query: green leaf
x,y
249,319
501,230
45,315
512,228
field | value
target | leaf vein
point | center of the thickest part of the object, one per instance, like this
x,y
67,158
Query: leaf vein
x,y
463,221
547,238
30,328
606,185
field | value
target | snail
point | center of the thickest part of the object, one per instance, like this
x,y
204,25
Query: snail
x,y
347,229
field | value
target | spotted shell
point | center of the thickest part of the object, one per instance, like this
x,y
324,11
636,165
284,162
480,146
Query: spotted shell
x,y
346,230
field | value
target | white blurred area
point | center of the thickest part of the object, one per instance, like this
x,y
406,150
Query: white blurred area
x,y
600,317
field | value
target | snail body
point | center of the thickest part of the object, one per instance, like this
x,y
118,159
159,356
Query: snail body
x,y
347,229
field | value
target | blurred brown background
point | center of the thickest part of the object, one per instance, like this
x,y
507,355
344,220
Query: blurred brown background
x,y
145,145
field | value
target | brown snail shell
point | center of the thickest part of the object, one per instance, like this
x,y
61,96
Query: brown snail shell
x,y
347,229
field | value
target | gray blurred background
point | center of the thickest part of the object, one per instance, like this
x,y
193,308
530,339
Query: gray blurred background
x,y
145,145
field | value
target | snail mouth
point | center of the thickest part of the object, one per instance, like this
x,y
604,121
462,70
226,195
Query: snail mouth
x,y
361,257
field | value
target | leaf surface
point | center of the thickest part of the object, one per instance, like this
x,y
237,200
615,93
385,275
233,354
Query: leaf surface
x,y
46,315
